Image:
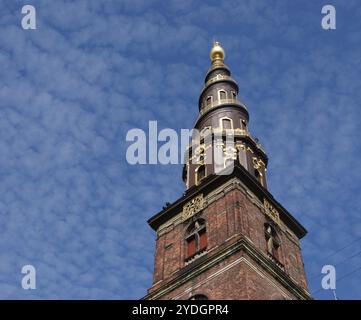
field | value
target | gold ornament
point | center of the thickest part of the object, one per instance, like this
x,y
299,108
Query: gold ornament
x,y
217,52
192,207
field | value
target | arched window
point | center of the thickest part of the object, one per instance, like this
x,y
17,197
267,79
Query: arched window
x,y
209,101
234,96
243,124
200,173
272,241
222,95
226,123
196,238
198,297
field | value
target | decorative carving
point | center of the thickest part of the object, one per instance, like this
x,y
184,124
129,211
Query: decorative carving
x,y
240,147
192,207
257,163
271,211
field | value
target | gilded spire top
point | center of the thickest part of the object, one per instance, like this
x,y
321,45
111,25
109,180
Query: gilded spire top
x,y
217,53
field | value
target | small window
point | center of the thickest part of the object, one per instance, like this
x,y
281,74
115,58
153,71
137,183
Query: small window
x,y
196,238
202,239
209,101
191,246
272,241
234,96
200,173
226,124
222,95
243,124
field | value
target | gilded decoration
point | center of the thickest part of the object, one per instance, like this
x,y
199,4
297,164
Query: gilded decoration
x,y
192,207
271,211
257,163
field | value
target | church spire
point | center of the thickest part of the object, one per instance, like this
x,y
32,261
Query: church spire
x,y
226,228
219,87
221,111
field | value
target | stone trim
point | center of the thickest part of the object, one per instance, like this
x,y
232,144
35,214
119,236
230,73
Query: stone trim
x,y
220,192
210,261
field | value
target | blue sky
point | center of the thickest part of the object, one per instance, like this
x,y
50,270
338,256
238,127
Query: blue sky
x,y
69,91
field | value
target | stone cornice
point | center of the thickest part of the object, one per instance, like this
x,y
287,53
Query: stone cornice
x,y
211,183
209,260
221,191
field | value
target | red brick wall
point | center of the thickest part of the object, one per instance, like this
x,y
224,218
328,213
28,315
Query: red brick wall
x,y
230,215
238,282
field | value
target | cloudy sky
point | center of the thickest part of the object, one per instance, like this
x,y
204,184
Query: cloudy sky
x,y
72,206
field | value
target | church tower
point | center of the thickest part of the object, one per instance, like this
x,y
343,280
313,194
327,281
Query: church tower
x,y
227,237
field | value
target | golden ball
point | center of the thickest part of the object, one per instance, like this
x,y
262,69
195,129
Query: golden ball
x,y
217,52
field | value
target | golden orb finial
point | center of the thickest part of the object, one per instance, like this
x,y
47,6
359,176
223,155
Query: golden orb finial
x,y
217,53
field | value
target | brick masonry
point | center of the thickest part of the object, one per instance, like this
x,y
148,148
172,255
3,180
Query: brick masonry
x,y
230,215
